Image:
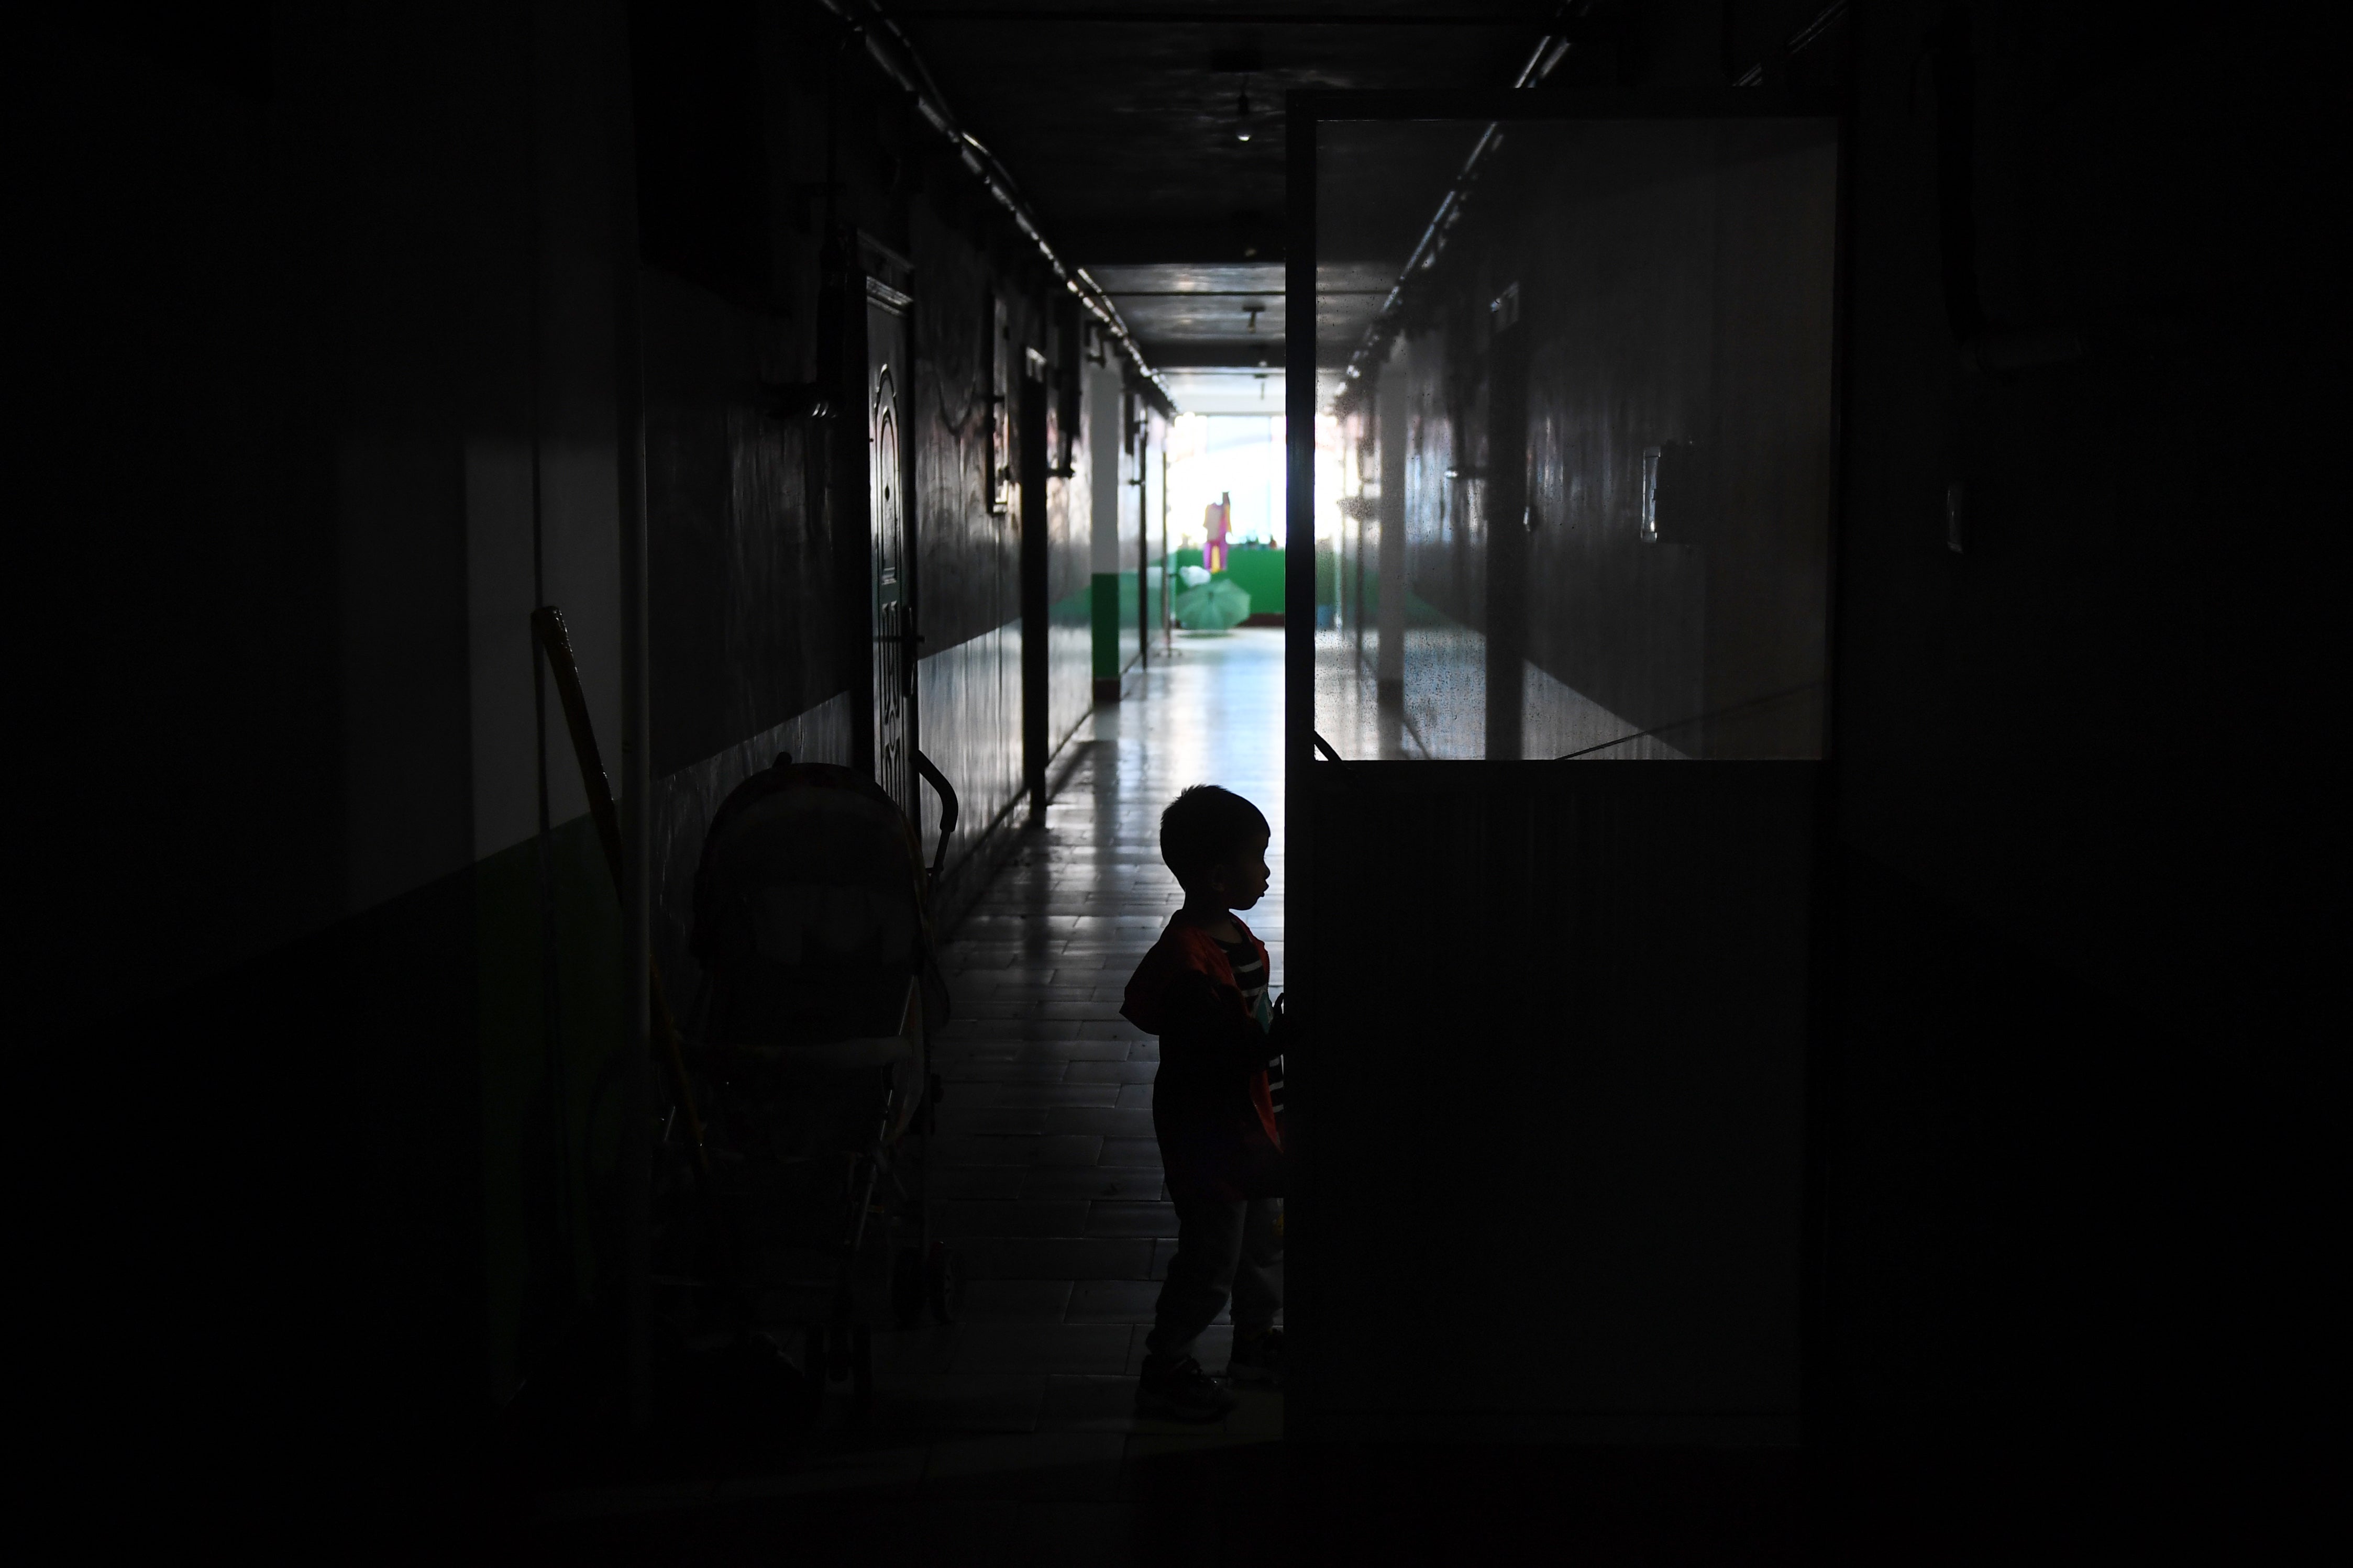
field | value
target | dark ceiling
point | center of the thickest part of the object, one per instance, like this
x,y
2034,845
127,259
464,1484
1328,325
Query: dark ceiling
x,y
1122,123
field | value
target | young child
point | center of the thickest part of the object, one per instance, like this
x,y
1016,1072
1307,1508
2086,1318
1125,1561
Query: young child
x,y
1202,989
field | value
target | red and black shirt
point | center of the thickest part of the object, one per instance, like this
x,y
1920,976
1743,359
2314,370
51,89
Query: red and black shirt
x,y
1210,1104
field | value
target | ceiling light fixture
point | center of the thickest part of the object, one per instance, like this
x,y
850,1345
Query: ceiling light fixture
x,y
1242,110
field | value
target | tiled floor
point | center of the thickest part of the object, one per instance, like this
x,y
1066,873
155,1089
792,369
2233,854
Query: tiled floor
x,y
1046,1175
1009,1436
1013,1429
1048,1181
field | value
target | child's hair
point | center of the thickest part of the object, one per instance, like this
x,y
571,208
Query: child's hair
x,y
1206,825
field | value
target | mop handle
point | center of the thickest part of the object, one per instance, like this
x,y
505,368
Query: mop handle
x,y
556,640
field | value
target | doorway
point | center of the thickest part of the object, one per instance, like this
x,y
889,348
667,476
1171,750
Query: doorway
x,y
897,643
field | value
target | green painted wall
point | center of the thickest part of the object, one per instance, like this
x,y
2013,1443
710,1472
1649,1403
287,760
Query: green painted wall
x,y
381,1185
549,1125
1118,604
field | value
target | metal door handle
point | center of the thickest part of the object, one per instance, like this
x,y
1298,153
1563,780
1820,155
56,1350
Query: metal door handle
x,y
909,641
948,811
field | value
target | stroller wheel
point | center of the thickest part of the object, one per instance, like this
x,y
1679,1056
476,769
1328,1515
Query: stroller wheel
x,y
944,1283
908,1287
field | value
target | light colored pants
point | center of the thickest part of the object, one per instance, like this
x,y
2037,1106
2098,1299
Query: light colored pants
x,y
1223,1250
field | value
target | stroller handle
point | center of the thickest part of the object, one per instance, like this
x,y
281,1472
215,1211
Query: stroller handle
x,y
948,810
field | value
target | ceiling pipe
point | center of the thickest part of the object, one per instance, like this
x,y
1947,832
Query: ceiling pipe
x,y
897,59
1549,51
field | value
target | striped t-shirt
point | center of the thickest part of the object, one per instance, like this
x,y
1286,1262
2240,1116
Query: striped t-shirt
x,y
1249,973
1249,976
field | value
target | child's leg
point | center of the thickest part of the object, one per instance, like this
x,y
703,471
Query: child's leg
x,y
1208,1245
1258,1279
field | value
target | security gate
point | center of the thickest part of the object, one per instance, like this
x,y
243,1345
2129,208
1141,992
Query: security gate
x,y
896,644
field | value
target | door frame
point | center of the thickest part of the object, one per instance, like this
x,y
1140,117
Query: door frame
x,y
879,276
893,299
1027,393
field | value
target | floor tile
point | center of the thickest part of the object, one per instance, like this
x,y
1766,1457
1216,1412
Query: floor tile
x,y
1052,1464
1133,1184
1055,1257
958,1073
966,1218
965,1120
1112,1301
1104,1094
980,1182
1111,1218
1212,1350
1085,1533
960,1401
1096,1347
983,1151
1122,1071
1015,1300
1102,1050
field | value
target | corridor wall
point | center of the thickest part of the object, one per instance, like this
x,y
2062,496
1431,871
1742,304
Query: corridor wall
x,y
361,1057
758,646
350,1071
1667,288
1116,466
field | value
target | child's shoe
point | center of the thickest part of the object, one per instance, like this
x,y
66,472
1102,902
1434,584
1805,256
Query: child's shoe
x,y
1176,1389
1257,1359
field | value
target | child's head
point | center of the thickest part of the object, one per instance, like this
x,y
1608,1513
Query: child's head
x,y
1216,843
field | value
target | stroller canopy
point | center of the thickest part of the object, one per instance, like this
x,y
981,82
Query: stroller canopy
x,y
809,915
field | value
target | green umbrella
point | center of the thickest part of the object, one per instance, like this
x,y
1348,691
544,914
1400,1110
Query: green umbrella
x,y
1214,607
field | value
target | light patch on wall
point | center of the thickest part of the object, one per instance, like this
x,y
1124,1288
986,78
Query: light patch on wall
x,y
498,602
580,572
1105,467
400,546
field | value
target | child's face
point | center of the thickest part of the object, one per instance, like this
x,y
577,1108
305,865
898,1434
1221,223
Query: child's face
x,y
1240,880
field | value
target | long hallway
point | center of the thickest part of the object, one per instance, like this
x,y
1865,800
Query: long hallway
x,y
1869,1142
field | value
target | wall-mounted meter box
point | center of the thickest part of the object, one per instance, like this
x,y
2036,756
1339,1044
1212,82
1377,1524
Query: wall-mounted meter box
x,y
1672,493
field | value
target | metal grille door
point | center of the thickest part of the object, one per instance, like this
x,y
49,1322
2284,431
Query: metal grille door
x,y
895,642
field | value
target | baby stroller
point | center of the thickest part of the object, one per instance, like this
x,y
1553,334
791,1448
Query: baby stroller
x,y
811,1045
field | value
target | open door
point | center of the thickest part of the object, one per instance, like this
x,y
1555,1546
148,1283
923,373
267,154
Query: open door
x,y
891,521
1573,371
